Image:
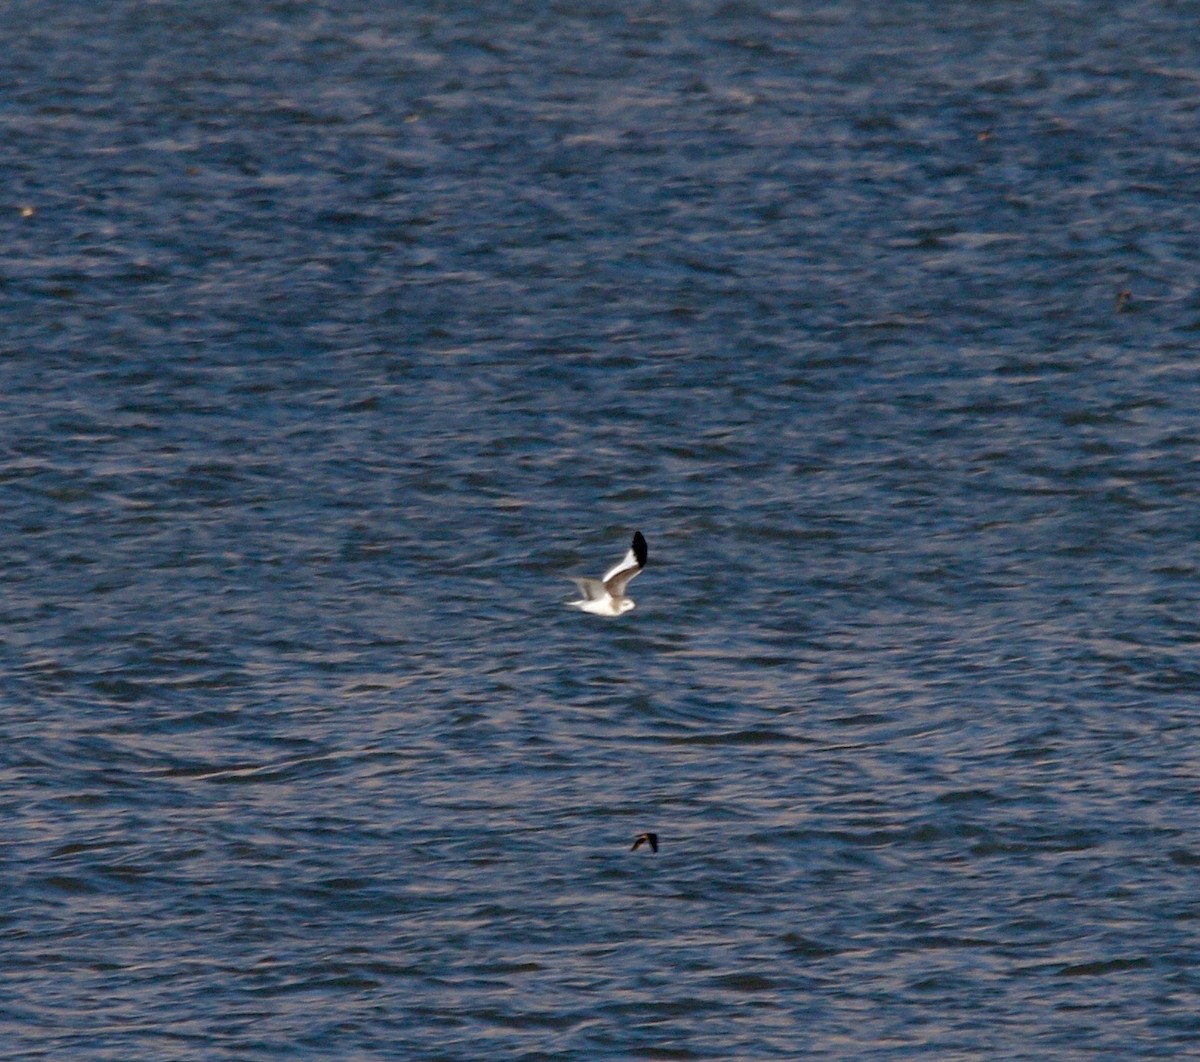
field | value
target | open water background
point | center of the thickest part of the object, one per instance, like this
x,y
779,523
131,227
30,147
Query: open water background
x,y
334,333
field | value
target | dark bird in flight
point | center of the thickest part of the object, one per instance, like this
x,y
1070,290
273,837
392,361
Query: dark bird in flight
x,y
646,838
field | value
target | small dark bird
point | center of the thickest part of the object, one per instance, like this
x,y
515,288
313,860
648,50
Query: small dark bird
x,y
646,838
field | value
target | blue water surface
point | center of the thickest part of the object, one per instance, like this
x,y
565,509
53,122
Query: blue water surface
x,y
336,333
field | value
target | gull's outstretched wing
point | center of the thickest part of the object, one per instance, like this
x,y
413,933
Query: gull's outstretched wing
x,y
591,589
617,577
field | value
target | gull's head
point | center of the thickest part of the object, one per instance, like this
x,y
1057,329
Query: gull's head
x,y
624,605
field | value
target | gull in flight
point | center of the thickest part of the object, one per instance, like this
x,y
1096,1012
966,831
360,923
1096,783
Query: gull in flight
x,y
606,597
645,838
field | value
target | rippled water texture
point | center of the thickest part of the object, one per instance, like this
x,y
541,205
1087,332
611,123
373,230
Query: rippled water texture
x,y
335,334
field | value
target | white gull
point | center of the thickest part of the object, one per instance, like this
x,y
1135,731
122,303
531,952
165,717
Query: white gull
x,y
606,597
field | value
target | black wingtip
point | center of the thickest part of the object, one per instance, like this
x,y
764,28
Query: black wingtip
x,y
639,549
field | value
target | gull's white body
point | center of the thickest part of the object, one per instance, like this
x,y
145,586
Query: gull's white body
x,y
606,597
